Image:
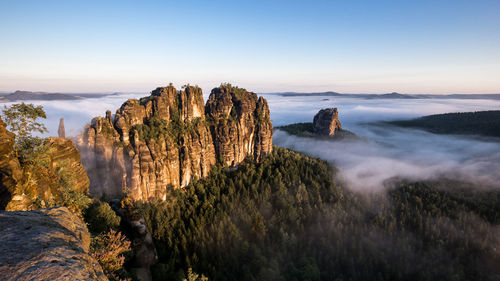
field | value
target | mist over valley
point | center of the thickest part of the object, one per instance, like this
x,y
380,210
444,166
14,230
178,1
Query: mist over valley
x,y
382,194
250,140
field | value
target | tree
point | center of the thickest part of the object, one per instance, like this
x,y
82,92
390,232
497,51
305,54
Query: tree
x,y
100,217
22,121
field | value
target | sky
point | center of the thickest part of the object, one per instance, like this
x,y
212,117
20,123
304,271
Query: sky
x,y
437,47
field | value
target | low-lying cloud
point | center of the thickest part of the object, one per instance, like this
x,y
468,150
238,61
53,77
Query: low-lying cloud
x,y
367,164
385,151
77,113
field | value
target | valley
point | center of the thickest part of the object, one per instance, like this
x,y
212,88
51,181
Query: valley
x,y
215,189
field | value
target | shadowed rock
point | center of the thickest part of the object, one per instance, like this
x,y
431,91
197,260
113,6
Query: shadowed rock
x,y
10,168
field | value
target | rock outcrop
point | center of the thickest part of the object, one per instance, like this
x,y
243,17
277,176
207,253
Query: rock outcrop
x,y
61,132
170,138
28,186
240,124
143,248
326,122
10,169
65,159
46,244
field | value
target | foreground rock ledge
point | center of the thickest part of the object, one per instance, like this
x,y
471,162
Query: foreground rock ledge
x,y
46,244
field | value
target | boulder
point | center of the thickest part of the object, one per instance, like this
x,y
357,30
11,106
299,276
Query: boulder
x,y
46,244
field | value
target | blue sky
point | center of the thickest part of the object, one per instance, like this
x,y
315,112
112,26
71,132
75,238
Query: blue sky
x,y
347,46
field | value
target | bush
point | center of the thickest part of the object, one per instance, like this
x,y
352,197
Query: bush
x,y
192,276
100,217
109,249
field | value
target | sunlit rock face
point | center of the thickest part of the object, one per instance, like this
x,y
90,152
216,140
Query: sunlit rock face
x,y
24,189
326,122
240,124
169,138
10,168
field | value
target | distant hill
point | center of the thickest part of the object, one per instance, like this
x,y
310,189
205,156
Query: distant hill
x,y
27,95
486,123
393,95
293,94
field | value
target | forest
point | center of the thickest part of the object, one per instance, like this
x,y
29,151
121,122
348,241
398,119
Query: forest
x,y
288,218
486,123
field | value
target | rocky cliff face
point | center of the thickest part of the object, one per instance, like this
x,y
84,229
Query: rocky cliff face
x,y
326,122
64,158
170,138
240,124
28,186
10,169
46,244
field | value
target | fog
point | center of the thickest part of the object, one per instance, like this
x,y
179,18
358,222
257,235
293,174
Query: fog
x,y
383,152
78,113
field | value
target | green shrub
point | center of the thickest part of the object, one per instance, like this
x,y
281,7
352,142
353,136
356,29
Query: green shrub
x,y
100,217
153,128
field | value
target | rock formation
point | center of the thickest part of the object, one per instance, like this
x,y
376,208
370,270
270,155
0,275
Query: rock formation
x,y
326,122
61,132
24,187
46,244
143,247
170,138
65,158
10,169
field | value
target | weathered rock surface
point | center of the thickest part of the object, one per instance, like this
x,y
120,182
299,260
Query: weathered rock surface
x,y
170,138
46,244
24,187
65,157
326,122
241,124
